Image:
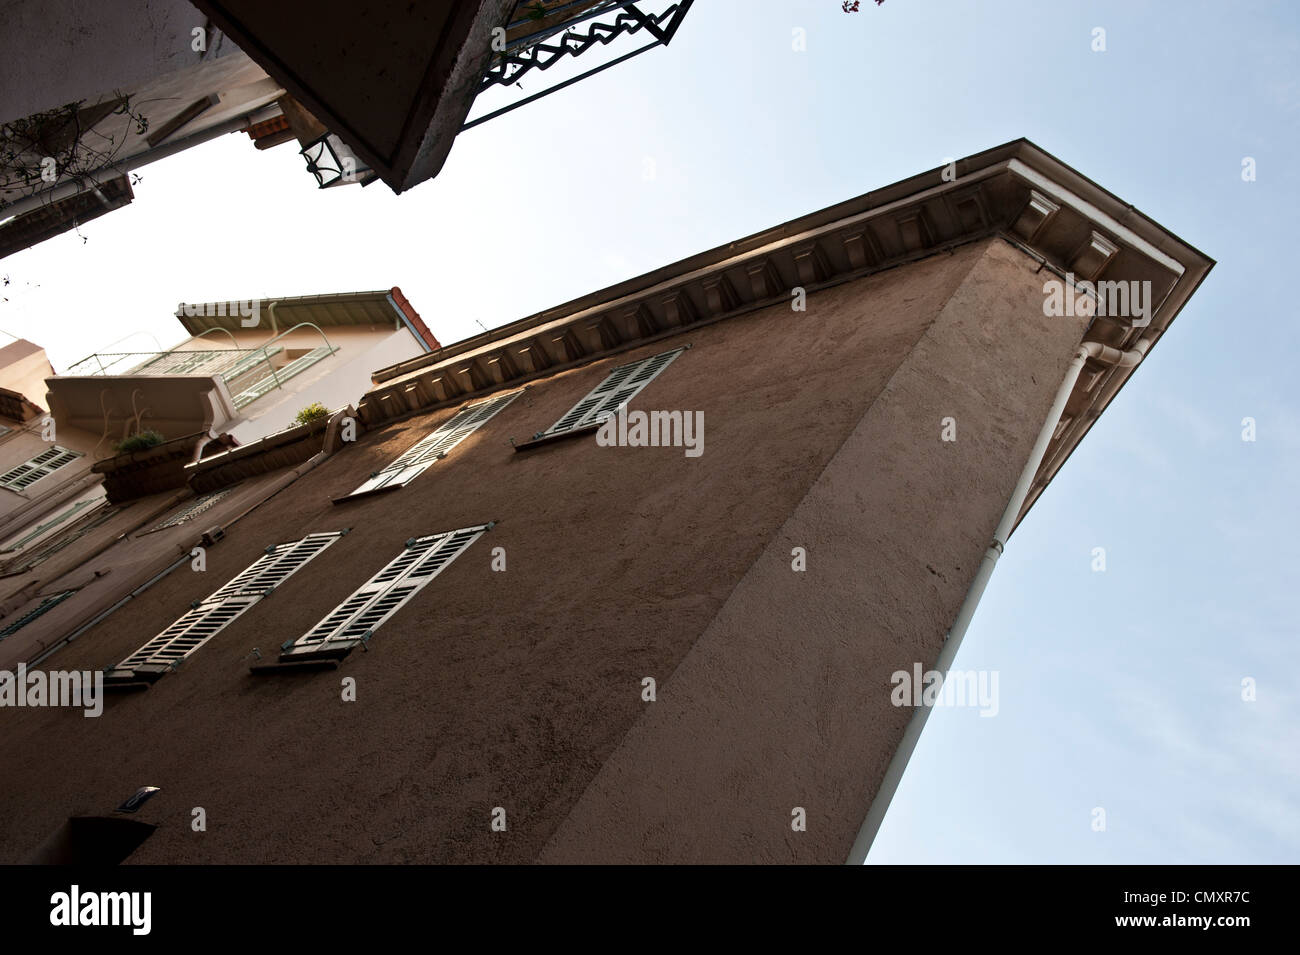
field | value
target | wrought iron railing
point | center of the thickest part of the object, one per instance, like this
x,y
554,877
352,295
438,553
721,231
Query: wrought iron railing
x,y
572,37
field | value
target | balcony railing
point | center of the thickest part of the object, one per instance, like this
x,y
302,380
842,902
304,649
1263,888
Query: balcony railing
x,y
568,30
211,361
249,373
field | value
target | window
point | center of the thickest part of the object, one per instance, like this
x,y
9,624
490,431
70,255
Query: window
x,y
619,387
430,448
278,376
47,462
192,510
213,614
44,529
46,605
42,550
355,619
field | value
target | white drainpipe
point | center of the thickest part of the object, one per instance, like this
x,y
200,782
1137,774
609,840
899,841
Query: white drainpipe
x,y
894,772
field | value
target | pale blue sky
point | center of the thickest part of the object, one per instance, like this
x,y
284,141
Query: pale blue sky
x,y
1118,689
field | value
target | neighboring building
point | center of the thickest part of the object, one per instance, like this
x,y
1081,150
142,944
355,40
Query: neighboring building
x,y
392,107
44,476
91,91
245,373
516,582
24,369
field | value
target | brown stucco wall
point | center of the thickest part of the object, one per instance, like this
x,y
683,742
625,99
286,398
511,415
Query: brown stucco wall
x,y
108,562
513,689
784,701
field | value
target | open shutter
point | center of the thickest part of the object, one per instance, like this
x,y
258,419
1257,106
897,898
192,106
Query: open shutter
x,y
619,387
193,509
212,615
271,570
46,605
47,462
191,631
375,601
428,449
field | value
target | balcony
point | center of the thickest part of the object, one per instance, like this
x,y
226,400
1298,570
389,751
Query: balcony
x,y
248,373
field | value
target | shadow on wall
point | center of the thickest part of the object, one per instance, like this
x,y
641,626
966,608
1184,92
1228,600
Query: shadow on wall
x,y
92,840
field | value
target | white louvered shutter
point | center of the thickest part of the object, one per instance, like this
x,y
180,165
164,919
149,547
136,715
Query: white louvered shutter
x,y
200,624
269,571
47,462
428,449
193,509
194,628
384,594
619,387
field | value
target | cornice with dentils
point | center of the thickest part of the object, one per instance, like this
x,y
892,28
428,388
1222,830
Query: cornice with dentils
x,y
1015,191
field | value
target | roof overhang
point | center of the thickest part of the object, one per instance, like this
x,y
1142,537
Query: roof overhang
x,y
16,407
1015,191
408,78
382,307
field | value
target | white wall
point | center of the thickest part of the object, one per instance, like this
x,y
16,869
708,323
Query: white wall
x,y
335,382
54,52
22,444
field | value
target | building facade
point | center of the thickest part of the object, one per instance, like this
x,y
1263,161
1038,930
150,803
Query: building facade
x,y
90,92
394,105
487,621
246,371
